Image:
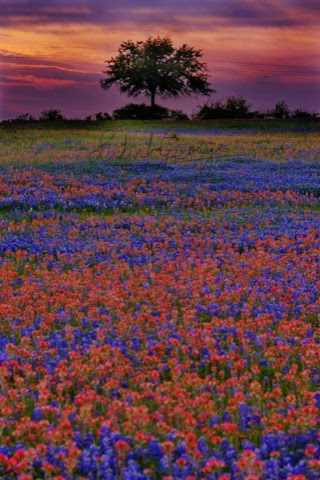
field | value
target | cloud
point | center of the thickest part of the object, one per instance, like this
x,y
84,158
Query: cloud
x,y
281,13
311,5
8,57
41,82
273,13
52,11
48,78
17,69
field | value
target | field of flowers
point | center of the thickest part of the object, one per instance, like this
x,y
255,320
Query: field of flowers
x,y
40,145
159,320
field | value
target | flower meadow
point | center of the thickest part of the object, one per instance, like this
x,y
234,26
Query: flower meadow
x,y
35,146
160,320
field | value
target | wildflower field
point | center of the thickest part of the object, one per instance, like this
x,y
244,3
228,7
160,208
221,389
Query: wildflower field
x,y
159,319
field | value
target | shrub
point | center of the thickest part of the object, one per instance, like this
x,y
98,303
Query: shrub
x,y
260,115
303,114
25,117
211,111
238,107
102,116
234,107
51,115
178,115
280,110
133,111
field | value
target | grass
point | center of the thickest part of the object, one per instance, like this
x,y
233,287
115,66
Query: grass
x,y
38,143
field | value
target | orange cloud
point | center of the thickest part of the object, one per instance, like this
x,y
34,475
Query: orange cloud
x,y
46,83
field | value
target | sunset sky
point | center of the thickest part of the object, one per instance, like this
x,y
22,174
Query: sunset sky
x,y
53,51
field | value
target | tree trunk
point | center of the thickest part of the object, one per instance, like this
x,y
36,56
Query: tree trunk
x,y
153,96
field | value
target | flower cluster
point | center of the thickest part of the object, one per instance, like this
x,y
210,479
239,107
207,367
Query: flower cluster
x,y
156,323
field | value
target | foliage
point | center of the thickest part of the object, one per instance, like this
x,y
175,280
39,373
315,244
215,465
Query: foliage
x,y
178,115
25,117
280,110
237,107
102,116
51,115
233,107
303,114
154,67
133,111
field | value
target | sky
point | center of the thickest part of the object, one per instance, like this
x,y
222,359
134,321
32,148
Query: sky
x,y
53,52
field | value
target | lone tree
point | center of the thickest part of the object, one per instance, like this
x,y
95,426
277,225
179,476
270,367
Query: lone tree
x,y
155,67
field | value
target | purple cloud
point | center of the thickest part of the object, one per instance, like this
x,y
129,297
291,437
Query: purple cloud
x,y
282,13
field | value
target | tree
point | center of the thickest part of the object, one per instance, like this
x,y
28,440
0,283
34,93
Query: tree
x,y
237,107
155,67
51,114
280,110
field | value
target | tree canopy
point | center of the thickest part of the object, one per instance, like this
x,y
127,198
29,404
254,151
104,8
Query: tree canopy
x,y
155,67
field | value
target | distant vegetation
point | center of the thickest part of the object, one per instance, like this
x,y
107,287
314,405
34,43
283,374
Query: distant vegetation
x,y
238,107
142,111
232,108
